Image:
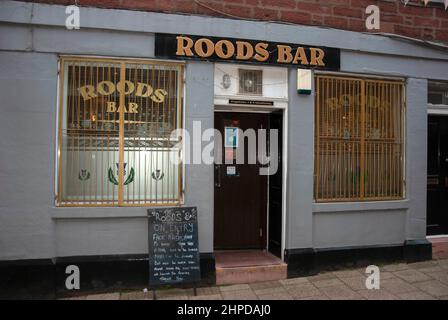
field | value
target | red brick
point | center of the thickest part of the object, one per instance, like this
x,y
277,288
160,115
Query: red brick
x,y
357,25
407,31
345,12
295,17
362,3
428,34
238,11
426,22
266,14
386,27
413,21
388,17
314,8
444,25
186,6
290,4
336,22
442,35
440,13
317,19
390,7
150,5
416,10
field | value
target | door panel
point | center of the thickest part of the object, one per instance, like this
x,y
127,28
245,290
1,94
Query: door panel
x,y
240,191
437,181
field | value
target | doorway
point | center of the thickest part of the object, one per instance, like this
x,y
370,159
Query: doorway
x,y
437,182
247,205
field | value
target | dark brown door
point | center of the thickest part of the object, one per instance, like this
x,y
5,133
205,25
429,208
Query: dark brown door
x,y
240,191
437,183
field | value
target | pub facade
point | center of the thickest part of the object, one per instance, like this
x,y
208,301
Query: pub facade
x,y
88,142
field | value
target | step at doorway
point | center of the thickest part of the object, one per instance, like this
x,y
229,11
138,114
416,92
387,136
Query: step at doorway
x,y
248,266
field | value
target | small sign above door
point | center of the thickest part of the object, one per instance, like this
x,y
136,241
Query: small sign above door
x,y
251,102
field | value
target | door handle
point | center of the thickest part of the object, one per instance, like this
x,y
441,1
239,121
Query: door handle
x,y
217,176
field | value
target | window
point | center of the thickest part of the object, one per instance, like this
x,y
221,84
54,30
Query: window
x,y
115,147
437,93
359,139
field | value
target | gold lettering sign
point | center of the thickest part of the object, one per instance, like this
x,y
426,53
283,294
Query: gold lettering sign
x,y
228,49
106,88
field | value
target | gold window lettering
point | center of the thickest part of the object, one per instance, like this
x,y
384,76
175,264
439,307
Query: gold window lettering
x,y
359,139
115,123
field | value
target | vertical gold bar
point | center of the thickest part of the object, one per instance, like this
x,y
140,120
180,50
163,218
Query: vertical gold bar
x,y
121,133
317,137
363,101
60,132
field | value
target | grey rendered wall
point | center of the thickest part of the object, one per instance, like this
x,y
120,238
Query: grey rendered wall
x,y
27,126
299,220
31,36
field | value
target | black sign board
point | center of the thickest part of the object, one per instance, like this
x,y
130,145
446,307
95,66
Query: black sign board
x,y
251,102
173,245
185,47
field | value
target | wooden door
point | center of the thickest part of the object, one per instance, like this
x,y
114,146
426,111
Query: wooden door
x,y
240,202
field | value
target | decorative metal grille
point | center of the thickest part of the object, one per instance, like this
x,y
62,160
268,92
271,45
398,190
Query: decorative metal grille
x,y
359,139
115,147
251,82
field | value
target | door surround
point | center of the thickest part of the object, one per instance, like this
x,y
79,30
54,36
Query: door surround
x,y
263,109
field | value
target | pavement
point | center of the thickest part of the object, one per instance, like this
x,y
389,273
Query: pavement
x,y
426,280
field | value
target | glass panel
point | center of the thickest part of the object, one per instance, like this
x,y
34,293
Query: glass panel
x,y
359,139
152,114
89,133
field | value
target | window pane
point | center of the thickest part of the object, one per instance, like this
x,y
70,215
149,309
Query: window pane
x,y
90,133
359,139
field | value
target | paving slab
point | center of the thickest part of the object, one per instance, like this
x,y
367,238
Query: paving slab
x,y
294,281
415,295
303,291
208,291
341,292
396,285
239,295
265,285
135,295
270,290
349,273
182,297
327,283
104,296
412,275
394,267
172,293
377,294
441,276
355,283
275,296
207,297
433,287
234,287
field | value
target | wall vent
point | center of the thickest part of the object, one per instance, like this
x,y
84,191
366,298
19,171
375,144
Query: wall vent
x,y
251,82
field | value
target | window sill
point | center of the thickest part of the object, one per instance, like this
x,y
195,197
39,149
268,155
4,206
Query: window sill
x,y
97,212
389,205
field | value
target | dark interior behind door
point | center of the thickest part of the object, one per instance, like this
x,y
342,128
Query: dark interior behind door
x,y
437,182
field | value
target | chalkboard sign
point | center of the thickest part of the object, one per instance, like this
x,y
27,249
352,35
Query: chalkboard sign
x,y
173,245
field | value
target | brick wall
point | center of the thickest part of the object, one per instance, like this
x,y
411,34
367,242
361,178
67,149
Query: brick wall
x,y
413,20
